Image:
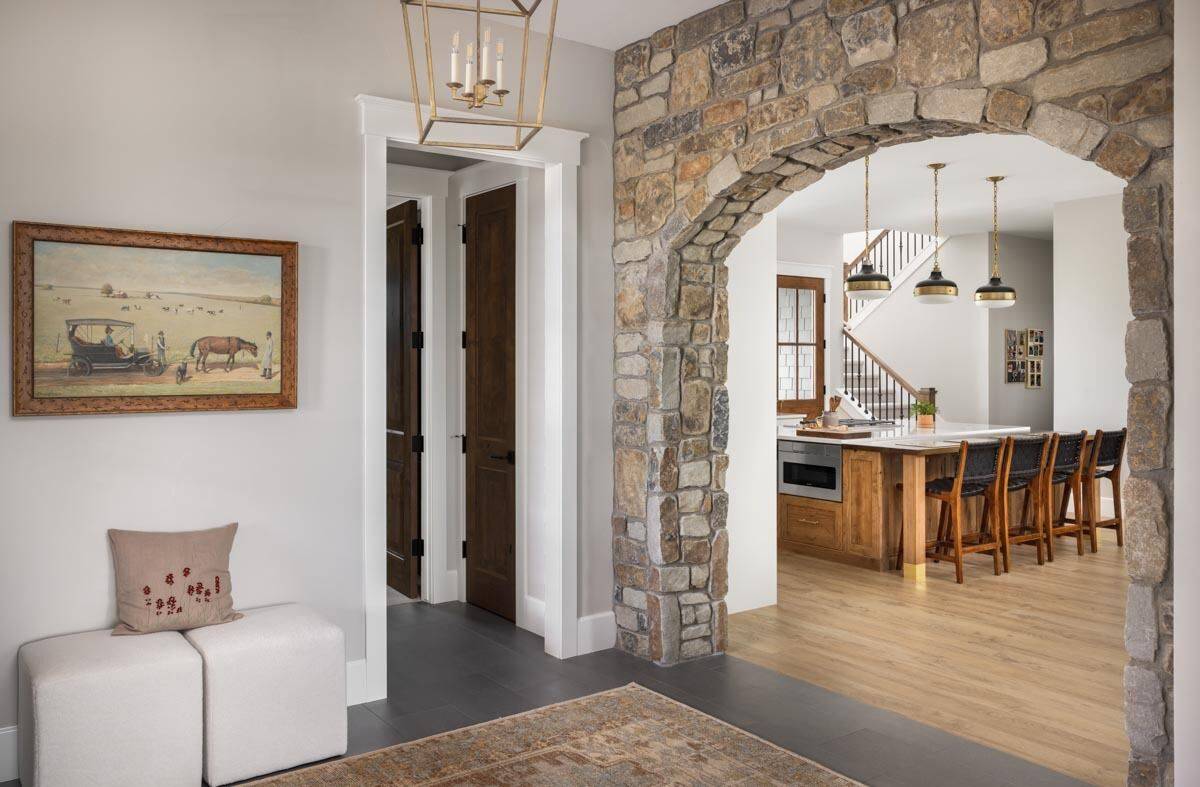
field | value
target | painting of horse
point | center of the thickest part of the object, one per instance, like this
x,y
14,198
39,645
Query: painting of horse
x,y
228,346
190,304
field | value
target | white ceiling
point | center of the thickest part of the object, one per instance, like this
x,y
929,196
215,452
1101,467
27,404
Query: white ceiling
x,y
1036,177
611,24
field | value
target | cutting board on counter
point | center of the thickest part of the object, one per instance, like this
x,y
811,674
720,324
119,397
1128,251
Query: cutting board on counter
x,y
833,433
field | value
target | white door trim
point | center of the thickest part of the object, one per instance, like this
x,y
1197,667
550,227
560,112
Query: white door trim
x,y
557,152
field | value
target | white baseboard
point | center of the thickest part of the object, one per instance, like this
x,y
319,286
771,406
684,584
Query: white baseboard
x,y
597,632
532,615
356,682
8,754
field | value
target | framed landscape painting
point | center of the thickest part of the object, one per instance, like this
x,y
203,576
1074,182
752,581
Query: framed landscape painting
x,y
117,321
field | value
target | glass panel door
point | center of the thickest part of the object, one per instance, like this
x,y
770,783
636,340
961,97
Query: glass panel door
x,y
800,372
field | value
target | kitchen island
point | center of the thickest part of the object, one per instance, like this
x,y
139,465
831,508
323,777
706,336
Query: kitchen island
x,y
845,499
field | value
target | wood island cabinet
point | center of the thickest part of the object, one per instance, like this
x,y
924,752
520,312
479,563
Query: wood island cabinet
x,y
850,531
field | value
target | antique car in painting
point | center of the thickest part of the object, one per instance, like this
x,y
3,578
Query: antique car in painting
x,y
105,344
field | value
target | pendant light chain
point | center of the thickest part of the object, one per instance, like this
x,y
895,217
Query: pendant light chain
x,y
995,230
866,201
937,245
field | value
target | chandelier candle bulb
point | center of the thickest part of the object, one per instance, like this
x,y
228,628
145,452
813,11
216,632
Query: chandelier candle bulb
x,y
485,58
470,80
500,66
454,61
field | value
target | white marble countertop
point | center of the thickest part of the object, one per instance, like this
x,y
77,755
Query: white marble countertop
x,y
904,435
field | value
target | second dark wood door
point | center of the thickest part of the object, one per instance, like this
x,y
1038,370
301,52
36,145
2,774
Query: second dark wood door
x,y
403,399
491,367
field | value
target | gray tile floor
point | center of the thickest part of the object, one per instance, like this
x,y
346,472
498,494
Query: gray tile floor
x,y
453,665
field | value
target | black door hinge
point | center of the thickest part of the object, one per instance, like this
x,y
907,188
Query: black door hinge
x,y
418,236
511,457
464,443
823,344
464,340
418,340
418,547
464,232
464,547
418,444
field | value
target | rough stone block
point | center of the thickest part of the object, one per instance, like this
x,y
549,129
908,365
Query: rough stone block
x,y
938,44
1004,21
1145,710
1008,109
1141,622
811,53
662,528
1012,63
1149,286
1066,129
662,614
631,467
870,35
1123,155
638,115
956,104
695,29
1105,31
695,474
1106,69
1149,427
1147,351
732,50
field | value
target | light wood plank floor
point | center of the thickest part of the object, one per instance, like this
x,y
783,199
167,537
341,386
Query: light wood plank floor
x,y
1030,663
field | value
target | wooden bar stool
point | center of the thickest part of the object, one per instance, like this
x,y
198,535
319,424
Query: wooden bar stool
x,y
1028,471
1104,461
1067,470
977,474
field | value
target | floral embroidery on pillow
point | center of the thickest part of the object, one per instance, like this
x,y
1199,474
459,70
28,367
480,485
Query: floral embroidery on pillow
x,y
172,606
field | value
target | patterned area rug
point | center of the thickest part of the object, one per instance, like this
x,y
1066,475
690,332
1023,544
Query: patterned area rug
x,y
629,735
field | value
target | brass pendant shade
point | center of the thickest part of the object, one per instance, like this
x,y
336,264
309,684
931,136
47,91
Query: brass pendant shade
x,y
995,294
936,289
867,284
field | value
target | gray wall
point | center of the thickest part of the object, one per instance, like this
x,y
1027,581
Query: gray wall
x,y
236,117
1028,265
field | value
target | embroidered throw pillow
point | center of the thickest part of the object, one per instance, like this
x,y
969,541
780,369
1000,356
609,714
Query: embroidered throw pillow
x,y
172,581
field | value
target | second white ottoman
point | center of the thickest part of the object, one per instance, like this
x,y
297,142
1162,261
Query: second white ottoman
x,y
274,692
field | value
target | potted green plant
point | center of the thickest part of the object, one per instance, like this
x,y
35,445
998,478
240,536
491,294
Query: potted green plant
x,y
924,411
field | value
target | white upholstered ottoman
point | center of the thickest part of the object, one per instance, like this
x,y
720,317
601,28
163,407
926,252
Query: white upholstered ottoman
x,y
95,709
274,692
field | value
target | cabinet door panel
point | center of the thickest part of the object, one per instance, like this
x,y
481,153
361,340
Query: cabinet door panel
x,y
805,522
862,475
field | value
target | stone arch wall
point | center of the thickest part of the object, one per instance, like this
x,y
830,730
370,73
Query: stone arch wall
x,y
722,116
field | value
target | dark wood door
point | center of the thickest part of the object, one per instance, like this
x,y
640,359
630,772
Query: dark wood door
x,y
404,399
491,366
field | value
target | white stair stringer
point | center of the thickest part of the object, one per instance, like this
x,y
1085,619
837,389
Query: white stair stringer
x,y
905,273
852,406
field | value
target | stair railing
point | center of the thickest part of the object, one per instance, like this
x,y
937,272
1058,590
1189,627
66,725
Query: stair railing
x,y
890,252
874,385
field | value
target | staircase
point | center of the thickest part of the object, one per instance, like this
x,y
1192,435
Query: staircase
x,y
869,384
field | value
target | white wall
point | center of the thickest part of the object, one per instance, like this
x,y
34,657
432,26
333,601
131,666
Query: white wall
x,y
1028,265
1091,310
236,118
752,431
943,346
1187,389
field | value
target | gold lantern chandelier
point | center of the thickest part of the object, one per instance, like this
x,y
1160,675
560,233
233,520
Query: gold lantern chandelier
x,y
476,81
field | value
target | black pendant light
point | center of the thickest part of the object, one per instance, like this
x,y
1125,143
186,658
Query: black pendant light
x,y
937,288
867,284
995,294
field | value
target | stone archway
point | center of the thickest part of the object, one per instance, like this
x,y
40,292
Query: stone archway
x,y
721,117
